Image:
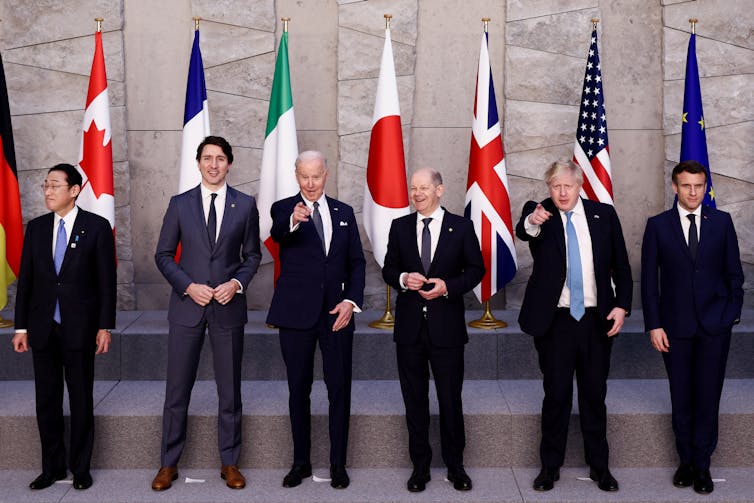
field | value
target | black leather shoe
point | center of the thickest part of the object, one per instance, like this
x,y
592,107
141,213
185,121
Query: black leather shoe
x,y
461,481
546,479
417,482
339,477
83,481
45,480
684,475
703,482
605,480
297,474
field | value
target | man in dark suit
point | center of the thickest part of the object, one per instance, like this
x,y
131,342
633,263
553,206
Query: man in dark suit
x,y
321,284
433,258
573,312
218,230
65,308
691,291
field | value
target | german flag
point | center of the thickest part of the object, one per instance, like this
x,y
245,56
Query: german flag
x,y
11,224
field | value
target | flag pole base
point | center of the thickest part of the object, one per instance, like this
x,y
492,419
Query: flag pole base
x,y
488,320
387,321
5,323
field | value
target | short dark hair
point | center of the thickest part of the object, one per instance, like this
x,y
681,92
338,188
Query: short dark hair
x,y
220,142
72,175
690,166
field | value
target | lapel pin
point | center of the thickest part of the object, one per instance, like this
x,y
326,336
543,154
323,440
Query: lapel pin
x,y
335,208
73,245
450,229
232,205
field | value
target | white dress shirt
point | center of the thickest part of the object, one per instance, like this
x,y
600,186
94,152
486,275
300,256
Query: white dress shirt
x,y
324,212
686,223
435,226
68,220
219,205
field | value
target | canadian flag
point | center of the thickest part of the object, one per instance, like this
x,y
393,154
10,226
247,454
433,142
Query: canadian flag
x,y
96,155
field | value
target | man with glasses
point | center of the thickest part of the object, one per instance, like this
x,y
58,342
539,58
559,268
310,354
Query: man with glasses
x,y
65,308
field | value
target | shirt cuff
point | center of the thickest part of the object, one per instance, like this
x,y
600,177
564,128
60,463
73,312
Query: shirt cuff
x,y
530,228
291,227
402,280
356,309
21,331
240,286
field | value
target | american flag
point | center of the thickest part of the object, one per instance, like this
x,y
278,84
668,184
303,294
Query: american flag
x,y
487,203
591,150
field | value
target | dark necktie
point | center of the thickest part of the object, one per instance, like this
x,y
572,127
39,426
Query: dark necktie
x,y
693,236
426,254
575,278
212,221
317,220
60,245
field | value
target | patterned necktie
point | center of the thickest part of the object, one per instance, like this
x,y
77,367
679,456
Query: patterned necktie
x,y
317,220
575,279
212,221
60,245
426,253
693,236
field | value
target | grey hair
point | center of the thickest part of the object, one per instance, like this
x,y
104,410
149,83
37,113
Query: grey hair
x,y
311,155
562,166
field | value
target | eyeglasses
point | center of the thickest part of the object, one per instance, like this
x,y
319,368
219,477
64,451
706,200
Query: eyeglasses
x,y
52,187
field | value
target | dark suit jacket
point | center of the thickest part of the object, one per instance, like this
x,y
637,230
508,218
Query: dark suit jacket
x,y
457,261
236,254
548,275
86,285
679,294
310,281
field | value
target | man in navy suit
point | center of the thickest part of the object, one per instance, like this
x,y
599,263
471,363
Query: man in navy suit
x,y
692,293
65,308
572,310
321,284
218,230
433,258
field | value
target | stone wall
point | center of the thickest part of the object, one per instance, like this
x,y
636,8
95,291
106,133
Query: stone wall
x,y
538,52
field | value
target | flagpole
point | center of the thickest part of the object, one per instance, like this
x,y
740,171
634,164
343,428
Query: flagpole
x,y
99,23
387,320
488,320
693,22
196,22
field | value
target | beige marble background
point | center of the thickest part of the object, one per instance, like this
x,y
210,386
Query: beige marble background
x,y
537,48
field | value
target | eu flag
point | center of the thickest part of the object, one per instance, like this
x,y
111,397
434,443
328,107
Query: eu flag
x,y
693,137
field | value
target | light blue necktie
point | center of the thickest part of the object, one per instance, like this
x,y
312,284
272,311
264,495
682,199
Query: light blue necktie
x,y
575,278
60,245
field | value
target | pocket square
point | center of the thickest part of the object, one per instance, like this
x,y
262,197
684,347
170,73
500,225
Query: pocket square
x,y
343,224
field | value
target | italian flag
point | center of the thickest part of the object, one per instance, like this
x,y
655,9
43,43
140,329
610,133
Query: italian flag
x,y
277,179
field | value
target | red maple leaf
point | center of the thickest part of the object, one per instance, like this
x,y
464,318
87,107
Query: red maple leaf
x,y
97,161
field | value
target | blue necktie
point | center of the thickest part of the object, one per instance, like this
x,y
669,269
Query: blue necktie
x,y
319,226
60,245
575,278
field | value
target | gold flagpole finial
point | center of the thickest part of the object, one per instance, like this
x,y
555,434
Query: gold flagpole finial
x,y
595,20
285,21
99,22
387,17
486,22
693,22
196,22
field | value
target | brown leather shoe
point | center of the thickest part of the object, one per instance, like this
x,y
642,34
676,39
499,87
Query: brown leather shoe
x,y
232,477
164,478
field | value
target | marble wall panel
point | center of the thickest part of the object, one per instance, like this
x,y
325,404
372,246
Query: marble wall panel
x,y
525,9
367,17
360,54
532,75
123,234
33,90
724,20
743,218
533,163
258,14
631,58
356,103
726,100
249,77
43,140
29,188
247,162
732,190
531,125
122,180
351,191
714,58
222,43
445,79
47,20
564,33
242,121
72,55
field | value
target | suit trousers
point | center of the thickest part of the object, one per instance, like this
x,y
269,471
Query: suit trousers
x,y
414,361
184,349
582,347
298,347
52,365
696,372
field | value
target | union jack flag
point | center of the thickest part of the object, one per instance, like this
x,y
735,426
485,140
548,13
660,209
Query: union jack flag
x,y
591,150
487,203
